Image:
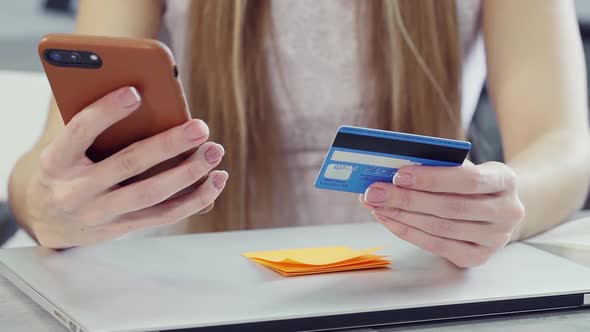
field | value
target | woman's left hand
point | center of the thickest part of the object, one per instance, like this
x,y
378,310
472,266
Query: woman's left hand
x,y
463,214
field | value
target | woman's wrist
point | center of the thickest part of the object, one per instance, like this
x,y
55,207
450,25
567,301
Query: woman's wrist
x,y
20,192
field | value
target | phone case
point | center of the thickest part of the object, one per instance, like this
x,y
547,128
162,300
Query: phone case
x,y
146,64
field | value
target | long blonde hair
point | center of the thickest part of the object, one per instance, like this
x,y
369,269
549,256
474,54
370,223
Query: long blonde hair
x,y
411,60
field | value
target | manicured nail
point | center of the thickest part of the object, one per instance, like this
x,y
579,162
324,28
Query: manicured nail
x,y
129,97
214,153
220,179
196,130
375,195
403,179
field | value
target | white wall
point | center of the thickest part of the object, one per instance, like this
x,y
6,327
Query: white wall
x,y
22,24
583,9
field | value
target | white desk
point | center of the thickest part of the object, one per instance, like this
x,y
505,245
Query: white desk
x,y
19,314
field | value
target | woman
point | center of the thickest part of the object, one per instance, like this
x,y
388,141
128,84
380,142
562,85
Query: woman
x,y
274,79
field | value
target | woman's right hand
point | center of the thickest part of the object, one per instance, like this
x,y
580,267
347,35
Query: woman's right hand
x,y
74,201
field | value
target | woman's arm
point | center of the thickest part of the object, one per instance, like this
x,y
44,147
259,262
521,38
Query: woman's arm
x,y
64,199
537,82
135,18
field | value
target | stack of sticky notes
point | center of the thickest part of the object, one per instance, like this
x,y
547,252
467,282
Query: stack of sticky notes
x,y
296,262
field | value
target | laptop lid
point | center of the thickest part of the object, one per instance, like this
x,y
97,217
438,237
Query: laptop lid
x,y
203,283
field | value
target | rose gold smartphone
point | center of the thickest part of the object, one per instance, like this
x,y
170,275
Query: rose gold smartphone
x,y
81,69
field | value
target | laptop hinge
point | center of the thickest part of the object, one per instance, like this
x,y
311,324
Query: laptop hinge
x,y
586,299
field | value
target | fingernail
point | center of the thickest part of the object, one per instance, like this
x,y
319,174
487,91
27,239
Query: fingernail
x,y
220,179
375,195
196,130
214,153
129,97
403,179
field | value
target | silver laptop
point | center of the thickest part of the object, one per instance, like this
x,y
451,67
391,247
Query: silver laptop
x,y
201,282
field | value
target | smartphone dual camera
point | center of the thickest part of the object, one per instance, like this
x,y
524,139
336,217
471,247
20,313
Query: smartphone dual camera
x,y
70,58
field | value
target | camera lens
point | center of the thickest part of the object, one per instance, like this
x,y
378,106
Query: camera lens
x,y
55,56
73,57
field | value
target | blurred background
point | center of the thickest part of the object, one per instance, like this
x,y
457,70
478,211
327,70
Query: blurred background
x,y
23,22
24,92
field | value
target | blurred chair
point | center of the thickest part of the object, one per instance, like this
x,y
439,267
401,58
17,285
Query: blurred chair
x,y
61,6
8,225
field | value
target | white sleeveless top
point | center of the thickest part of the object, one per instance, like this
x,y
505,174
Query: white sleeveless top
x,y
317,47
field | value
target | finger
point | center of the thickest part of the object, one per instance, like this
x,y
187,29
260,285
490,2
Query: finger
x,y
141,156
461,253
448,206
157,189
479,233
207,209
87,125
488,178
177,209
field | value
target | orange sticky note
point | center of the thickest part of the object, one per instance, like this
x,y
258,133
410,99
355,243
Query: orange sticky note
x,y
294,262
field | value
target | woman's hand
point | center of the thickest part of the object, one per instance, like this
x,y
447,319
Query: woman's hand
x,y
463,214
74,201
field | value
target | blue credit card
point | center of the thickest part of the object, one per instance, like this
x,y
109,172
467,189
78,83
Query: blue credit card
x,y
359,157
